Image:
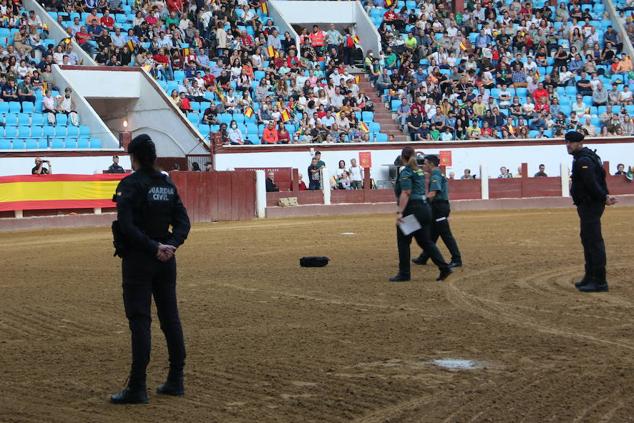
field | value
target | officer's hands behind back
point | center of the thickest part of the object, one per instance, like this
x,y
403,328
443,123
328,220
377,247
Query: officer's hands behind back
x,y
165,252
609,200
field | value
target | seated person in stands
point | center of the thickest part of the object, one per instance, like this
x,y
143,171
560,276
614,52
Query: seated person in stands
x,y
270,134
210,116
234,134
466,174
184,103
504,173
270,184
10,91
25,90
115,167
414,125
39,168
283,136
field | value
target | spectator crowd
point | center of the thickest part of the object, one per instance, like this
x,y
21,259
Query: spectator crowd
x,y
230,69
505,69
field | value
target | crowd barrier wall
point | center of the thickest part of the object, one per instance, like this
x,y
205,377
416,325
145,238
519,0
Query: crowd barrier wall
x,y
213,196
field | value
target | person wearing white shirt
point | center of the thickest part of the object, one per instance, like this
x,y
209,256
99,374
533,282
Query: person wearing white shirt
x,y
165,41
356,174
625,96
118,39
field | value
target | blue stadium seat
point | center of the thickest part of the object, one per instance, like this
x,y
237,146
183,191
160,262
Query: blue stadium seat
x,y
70,144
60,131
11,119
61,119
72,132
84,131
380,137
48,131
83,143
18,144
95,143
15,107
27,107
36,131
5,144
24,131
37,119
32,144
10,132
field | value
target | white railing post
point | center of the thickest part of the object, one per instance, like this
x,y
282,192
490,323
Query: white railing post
x,y
565,180
325,185
260,193
18,214
97,210
484,182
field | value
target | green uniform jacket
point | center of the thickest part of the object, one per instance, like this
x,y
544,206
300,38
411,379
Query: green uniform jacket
x,y
438,183
410,180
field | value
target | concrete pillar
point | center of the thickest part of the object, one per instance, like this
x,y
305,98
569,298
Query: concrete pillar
x,y
565,180
325,185
260,193
97,210
484,182
18,214
367,178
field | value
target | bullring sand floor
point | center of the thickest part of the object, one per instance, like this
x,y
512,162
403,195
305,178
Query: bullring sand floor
x,y
271,342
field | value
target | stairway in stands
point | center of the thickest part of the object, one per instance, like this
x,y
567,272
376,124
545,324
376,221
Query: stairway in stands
x,y
381,114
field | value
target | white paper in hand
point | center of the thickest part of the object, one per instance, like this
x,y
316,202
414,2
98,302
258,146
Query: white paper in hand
x,y
409,224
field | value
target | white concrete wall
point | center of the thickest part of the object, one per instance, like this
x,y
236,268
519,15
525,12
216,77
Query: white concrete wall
x,y
84,165
56,32
282,24
149,110
327,12
87,115
491,157
106,83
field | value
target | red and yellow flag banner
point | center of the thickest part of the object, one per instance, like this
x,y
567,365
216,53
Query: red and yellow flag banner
x,y
51,192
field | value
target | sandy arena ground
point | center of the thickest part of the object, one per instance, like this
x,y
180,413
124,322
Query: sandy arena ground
x,y
271,342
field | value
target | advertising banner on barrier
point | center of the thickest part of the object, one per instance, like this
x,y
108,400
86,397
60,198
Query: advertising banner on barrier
x,y
49,192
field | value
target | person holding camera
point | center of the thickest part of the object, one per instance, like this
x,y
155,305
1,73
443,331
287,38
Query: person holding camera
x,y
147,205
40,169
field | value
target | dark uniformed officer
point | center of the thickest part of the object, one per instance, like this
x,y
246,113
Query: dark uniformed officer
x,y
438,195
410,194
589,192
147,204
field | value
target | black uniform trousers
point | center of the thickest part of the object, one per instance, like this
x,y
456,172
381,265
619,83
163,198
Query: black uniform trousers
x,y
440,211
421,210
593,246
145,276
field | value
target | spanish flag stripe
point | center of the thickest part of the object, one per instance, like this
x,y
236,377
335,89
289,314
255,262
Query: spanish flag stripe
x,y
62,177
46,191
56,205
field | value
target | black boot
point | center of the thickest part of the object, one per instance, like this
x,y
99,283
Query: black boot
x,y
400,277
593,286
420,260
583,281
455,263
173,385
596,282
130,396
444,274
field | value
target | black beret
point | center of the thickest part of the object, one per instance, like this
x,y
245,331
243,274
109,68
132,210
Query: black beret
x,y
574,136
433,159
313,261
143,146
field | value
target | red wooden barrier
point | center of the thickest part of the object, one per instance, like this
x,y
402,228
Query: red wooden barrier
x,y
618,185
212,196
282,176
464,189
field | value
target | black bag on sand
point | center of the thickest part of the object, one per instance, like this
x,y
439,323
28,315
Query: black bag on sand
x,y
313,261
